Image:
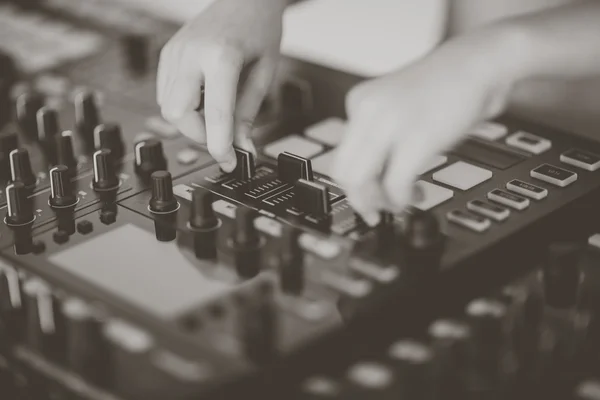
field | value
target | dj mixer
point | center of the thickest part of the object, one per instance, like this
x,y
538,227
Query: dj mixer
x,y
132,267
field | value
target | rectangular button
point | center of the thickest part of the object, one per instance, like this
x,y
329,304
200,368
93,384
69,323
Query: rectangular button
x,y
489,131
508,199
329,131
438,161
492,211
527,189
487,154
293,144
433,195
554,175
467,220
462,175
581,159
529,142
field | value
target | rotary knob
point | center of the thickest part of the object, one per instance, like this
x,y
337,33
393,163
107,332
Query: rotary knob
x,y
258,324
246,243
21,169
105,175
562,275
87,117
61,188
65,153
19,210
109,136
204,223
28,105
149,158
163,200
8,143
48,129
291,261
423,243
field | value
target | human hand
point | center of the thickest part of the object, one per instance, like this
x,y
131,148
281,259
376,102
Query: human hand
x,y
399,122
229,41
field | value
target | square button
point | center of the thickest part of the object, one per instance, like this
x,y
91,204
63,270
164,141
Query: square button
x,y
462,175
554,175
293,144
489,131
438,161
322,164
329,131
581,159
433,195
529,142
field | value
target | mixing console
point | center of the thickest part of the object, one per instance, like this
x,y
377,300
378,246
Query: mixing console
x,y
132,267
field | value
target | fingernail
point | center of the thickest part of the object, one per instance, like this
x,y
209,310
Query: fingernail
x,y
229,166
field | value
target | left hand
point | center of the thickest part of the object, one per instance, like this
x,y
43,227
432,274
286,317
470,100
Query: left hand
x,y
398,123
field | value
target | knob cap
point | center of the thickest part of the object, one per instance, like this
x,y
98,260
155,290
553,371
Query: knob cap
x,y
413,361
48,129
65,153
423,243
135,50
21,169
109,136
562,275
202,214
28,105
61,188
291,261
19,209
149,158
105,175
8,143
163,200
87,117
246,243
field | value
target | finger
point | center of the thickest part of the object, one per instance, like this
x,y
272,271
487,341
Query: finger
x,y
192,125
164,64
250,100
222,78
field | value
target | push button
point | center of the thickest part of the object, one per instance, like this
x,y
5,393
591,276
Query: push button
x,y
433,195
489,131
329,131
527,189
492,211
529,142
293,144
554,175
508,199
581,159
470,221
462,175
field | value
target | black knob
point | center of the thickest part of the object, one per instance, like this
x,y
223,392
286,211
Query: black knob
x,y
246,243
105,175
65,153
136,53
423,243
258,323
291,167
48,129
61,188
28,105
109,136
562,275
291,261
19,208
149,158
21,170
204,223
9,141
163,200
87,117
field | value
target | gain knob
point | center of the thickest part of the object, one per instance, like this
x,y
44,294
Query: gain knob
x,y
105,175
65,153
109,136
291,261
423,243
246,243
62,194
87,117
28,105
21,169
8,143
562,275
48,129
19,209
149,158
204,223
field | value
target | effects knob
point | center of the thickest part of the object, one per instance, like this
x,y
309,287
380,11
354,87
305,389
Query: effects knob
x,y
109,136
48,129
246,243
204,223
149,158
291,261
87,117
135,49
61,188
423,243
163,200
562,275
28,105
8,143
65,153
19,209
105,174
21,169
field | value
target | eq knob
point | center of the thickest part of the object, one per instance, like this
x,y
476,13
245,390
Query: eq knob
x,y
65,153
61,188
562,275
204,223
19,210
105,175
163,200
135,49
423,243
109,136
8,142
291,261
87,117
21,169
246,243
149,158
28,105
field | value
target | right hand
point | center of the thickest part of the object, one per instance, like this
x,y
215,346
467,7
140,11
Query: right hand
x,y
212,50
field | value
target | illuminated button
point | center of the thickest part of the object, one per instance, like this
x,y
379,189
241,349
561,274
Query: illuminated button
x,y
492,211
161,127
471,221
527,189
594,240
438,161
489,131
187,156
293,144
554,175
329,131
433,195
462,175
581,159
322,164
529,142
508,199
